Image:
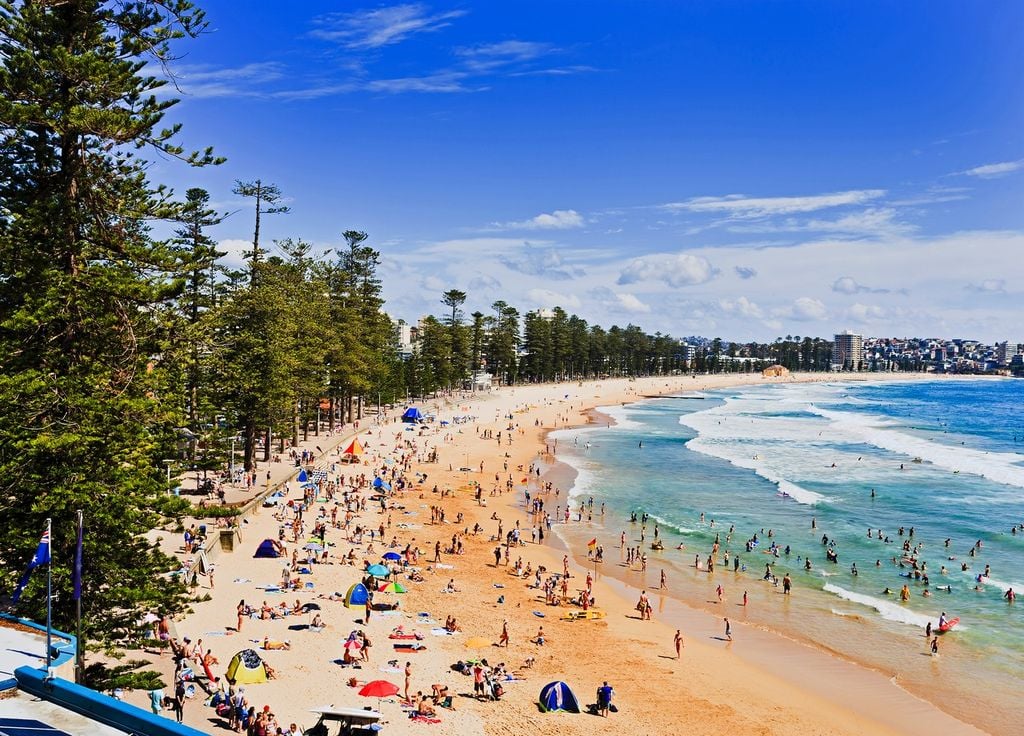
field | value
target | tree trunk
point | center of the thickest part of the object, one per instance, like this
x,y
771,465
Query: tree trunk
x,y
331,418
249,438
266,445
295,424
359,404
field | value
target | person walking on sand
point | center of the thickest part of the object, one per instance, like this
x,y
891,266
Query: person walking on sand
x,y
728,629
678,641
935,646
408,676
664,580
503,640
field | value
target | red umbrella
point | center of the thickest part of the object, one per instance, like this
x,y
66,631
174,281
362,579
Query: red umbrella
x,y
379,689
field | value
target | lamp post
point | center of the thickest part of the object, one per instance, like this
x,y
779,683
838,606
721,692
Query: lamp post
x,y
168,464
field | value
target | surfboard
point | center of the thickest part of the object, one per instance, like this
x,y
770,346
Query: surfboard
x,y
948,625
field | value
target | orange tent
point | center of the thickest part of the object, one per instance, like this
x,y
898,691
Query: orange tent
x,y
354,449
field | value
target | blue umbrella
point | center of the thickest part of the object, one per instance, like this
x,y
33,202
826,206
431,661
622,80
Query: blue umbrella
x,y
378,482
392,556
378,571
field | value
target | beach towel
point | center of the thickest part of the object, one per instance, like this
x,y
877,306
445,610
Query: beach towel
x,y
425,719
442,632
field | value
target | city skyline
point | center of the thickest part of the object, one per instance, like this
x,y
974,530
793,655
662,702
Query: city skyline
x,y
738,169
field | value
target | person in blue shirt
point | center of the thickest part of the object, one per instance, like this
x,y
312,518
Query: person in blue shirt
x,y
604,699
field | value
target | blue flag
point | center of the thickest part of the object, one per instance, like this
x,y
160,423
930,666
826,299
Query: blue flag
x,y
77,573
41,557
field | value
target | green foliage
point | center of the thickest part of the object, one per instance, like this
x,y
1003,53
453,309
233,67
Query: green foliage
x,y
85,410
103,678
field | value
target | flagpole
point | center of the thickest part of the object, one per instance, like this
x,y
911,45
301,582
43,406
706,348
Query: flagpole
x,y
49,593
78,604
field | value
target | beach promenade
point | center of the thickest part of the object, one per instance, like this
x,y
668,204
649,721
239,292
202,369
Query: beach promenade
x,y
757,683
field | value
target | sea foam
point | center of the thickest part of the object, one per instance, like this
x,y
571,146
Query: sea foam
x,y
1001,467
889,610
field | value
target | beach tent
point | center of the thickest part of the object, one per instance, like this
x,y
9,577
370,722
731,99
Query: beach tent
x,y
267,548
412,414
357,595
302,477
558,696
354,448
247,668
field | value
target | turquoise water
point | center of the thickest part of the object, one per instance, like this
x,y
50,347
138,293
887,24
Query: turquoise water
x,y
944,457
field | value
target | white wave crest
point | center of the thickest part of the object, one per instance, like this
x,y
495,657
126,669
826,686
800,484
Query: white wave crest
x,y
889,610
1001,467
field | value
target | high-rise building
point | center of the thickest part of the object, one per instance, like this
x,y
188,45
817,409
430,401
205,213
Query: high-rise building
x,y
848,351
1006,350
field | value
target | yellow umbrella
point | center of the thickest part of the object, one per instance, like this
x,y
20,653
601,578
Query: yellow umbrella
x,y
478,642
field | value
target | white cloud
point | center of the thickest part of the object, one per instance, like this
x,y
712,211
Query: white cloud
x,y
740,206
991,171
548,298
236,251
630,303
371,29
849,285
557,220
744,272
866,313
803,309
989,286
677,270
873,221
741,307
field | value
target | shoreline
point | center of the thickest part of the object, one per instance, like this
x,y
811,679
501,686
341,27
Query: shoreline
x,y
878,692
713,687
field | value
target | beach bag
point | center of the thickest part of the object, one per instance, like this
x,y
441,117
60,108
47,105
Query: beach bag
x,y
223,710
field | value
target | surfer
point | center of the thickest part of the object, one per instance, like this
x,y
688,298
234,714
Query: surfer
x,y
942,621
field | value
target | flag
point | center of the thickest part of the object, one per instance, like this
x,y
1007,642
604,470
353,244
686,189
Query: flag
x,y
41,557
76,575
592,544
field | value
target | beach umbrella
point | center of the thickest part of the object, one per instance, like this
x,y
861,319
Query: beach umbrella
x,y
391,588
302,477
390,556
378,571
313,547
353,645
478,642
310,606
378,689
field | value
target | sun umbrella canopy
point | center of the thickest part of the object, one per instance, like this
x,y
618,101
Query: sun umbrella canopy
x,y
313,547
477,642
378,689
310,606
354,448
378,571
392,556
391,588
353,644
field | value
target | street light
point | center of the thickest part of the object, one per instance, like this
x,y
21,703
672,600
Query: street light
x,y
168,464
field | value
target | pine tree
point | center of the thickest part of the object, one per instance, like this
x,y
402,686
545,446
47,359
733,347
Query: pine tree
x,y
84,417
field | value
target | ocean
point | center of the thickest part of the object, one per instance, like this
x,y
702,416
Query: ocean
x,y
936,464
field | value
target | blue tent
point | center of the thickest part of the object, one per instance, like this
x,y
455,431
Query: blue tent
x,y
412,414
302,477
557,696
267,548
357,595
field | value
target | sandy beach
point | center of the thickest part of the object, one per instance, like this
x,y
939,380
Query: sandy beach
x,y
760,682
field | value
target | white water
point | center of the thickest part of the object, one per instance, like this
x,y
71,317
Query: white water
x,y
1001,467
889,610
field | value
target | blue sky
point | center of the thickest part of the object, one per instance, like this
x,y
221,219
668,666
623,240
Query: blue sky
x,y
742,169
